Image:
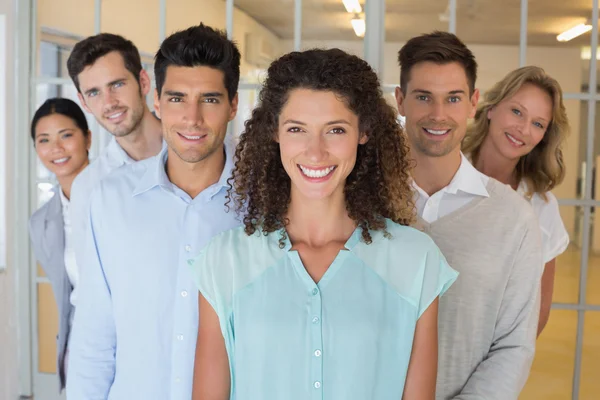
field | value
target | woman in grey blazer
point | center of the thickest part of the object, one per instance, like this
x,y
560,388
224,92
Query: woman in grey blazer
x,y
61,139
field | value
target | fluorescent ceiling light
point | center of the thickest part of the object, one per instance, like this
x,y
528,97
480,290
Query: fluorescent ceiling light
x,y
359,26
574,32
586,53
352,6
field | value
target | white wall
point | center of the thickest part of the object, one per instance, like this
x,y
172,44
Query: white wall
x,y
8,321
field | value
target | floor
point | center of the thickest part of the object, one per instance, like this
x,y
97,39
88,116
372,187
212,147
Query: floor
x,y
552,372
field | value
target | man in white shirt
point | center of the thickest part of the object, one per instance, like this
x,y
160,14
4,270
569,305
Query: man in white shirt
x,y
486,231
112,85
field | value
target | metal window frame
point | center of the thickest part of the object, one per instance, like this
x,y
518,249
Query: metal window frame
x,y
25,193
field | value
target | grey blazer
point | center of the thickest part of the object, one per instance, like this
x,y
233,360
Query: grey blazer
x,y
46,230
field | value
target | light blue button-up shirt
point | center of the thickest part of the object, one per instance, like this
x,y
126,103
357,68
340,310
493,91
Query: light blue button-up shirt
x,y
136,321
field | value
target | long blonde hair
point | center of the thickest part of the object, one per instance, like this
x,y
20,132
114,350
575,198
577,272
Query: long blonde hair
x,y
543,168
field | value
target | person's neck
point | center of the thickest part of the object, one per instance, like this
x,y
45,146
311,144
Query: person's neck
x,y
65,182
432,174
316,223
193,178
491,163
146,140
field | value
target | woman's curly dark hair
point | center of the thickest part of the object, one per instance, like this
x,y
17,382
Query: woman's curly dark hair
x,y
379,185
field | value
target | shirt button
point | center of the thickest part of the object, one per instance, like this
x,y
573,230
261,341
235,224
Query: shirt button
x,y
188,248
180,337
315,291
184,294
317,385
317,353
315,320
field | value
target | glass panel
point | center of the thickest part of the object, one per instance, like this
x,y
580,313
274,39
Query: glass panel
x,y
330,25
40,271
566,281
590,385
261,28
491,30
545,21
593,281
247,101
552,371
136,20
47,328
182,14
405,19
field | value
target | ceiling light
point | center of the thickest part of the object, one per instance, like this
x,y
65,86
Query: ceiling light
x,y
574,32
586,53
352,6
359,26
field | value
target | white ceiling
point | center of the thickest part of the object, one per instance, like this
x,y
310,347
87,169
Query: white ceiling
x,y
478,21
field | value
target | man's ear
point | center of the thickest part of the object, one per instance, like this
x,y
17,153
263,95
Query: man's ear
x,y
82,102
474,101
156,103
145,84
400,100
234,106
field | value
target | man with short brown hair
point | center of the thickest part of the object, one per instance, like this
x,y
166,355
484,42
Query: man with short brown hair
x,y
487,232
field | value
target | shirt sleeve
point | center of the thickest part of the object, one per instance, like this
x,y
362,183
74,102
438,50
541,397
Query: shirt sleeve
x,y
438,276
93,343
555,238
203,276
213,274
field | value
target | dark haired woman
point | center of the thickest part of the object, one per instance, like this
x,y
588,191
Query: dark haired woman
x,y
61,138
325,292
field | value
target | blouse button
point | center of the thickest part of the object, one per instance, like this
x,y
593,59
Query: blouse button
x,y
315,320
315,291
317,385
317,353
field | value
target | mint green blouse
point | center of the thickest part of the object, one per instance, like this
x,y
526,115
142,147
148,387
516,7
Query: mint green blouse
x,y
347,337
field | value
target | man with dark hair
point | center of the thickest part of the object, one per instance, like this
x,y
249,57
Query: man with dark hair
x,y
136,322
111,84
487,232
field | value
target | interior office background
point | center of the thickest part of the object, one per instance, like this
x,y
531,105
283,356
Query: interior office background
x,y
37,36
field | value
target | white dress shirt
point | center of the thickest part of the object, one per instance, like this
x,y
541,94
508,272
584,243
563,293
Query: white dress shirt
x,y
466,185
555,238
70,263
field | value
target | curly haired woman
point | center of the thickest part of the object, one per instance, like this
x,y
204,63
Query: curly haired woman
x,y
325,291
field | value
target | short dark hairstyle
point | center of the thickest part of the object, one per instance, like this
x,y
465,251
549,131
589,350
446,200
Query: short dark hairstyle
x,y
440,48
199,46
379,185
61,106
86,52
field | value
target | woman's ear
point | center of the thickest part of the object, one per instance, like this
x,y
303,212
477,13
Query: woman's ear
x,y
88,140
364,138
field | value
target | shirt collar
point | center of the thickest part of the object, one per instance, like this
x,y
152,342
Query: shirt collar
x,y
63,199
467,179
157,176
117,156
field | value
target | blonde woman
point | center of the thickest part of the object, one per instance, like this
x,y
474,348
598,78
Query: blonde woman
x,y
517,138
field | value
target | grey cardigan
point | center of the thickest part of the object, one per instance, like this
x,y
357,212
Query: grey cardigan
x,y
46,230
